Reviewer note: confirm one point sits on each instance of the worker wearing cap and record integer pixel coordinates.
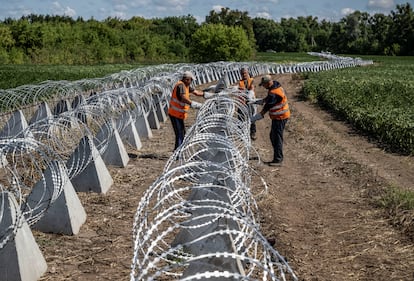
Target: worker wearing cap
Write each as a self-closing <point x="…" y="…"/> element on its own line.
<point x="276" y="104"/>
<point x="180" y="103"/>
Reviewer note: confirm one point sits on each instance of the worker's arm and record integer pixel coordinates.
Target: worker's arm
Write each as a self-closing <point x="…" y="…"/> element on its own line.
<point x="196" y="92"/>
<point x="180" y="95"/>
<point x="270" y="101"/>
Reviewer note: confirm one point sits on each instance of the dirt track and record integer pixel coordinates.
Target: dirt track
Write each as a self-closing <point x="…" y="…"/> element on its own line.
<point x="318" y="207"/>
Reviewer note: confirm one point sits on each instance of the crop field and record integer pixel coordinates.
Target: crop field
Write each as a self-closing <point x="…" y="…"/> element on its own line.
<point x="377" y="99"/>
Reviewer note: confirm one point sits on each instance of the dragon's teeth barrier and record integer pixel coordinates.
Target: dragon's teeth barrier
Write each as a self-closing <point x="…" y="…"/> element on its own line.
<point x="77" y="128"/>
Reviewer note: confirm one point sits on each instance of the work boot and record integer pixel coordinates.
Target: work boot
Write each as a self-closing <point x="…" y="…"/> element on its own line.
<point x="275" y="163"/>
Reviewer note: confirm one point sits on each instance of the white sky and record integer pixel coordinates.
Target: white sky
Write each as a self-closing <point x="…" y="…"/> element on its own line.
<point x="332" y="10"/>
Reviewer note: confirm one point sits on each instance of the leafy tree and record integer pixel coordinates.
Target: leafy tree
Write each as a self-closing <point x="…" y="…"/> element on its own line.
<point x="6" y="38"/>
<point x="133" y="49"/>
<point x="269" y="35"/>
<point x="321" y="36"/>
<point x="177" y="28"/>
<point x="6" y="43"/>
<point x="294" y="37"/>
<point x="226" y="35"/>
<point x="337" y="41"/>
<point x="26" y="35"/>
<point x="233" y="18"/>
<point x="307" y="26"/>
<point x="402" y="29"/>
<point x="357" y="30"/>
<point x="218" y="42"/>
<point x="16" y="56"/>
<point x="380" y="25"/>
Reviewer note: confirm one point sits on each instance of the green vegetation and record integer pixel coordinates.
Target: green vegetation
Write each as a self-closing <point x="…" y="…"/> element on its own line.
<point x="285" y="57"/>
<point x="12" y="76"/>
<point x="219" y="42"/>
<point x="400" y="207"/>
<point x="378" y="99"/>
<point x="395" y="198"/>
<point x="38" y="39"/>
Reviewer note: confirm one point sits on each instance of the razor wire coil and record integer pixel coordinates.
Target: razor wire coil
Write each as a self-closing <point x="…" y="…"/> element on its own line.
<point x="213" y="160"/>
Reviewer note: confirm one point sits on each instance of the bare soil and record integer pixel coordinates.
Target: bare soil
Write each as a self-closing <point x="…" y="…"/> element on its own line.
<point x="320" y="206"/>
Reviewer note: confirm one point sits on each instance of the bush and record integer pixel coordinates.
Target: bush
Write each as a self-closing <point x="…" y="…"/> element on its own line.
<point x="218" y="42"/>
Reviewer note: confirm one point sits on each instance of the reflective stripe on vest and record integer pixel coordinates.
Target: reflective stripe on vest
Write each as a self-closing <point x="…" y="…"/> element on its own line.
<point x="177" y="108"/>
<point x="242" y="85"/>
<point x="280" y="110"/>
<point x="182" y="104"/>
<point x="249" y="84"/>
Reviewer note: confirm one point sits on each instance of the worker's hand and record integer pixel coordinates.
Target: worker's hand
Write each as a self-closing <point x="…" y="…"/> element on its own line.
<point x="196" y="105"/>
<point x="256" y="117"/>
<point x="250" y="95"/>
<point x="208" y="95"/>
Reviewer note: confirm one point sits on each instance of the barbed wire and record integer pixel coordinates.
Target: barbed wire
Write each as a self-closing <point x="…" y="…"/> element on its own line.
<point x="32" y="173"/>
<point x="204" y="193"/>
<point x="198" y="220"/>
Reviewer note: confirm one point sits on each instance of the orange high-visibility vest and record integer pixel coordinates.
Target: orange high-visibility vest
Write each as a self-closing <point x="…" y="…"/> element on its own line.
<point x="242" y="86"/>
<point x="249" y="84"/>
<point x="279" y="111"/>
<point x="177" y="108"/>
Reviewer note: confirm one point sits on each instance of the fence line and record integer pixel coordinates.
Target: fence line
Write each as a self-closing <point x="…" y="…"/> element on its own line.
<point x="74" y="125"/>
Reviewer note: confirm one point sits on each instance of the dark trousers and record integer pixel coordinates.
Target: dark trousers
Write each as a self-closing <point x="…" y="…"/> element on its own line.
<point x="252" y="111"/>
<point x="276" y="137"/>
<point x="179" y="130"/>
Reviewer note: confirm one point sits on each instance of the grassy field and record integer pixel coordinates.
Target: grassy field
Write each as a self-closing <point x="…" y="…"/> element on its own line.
<point x="285" y="57"/>
<point x="12" y="76"/>
<point x="377" y="99"/>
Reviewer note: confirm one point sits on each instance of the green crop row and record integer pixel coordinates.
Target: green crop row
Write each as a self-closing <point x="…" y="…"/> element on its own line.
<point x="378" y="99"/>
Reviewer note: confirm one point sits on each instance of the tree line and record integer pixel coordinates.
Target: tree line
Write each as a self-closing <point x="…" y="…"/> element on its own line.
<point x="230" y="35"/>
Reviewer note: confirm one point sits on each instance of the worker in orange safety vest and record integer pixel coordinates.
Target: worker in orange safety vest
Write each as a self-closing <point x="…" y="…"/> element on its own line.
<point x="180" y="103"/>
<point x="276" y="103"/>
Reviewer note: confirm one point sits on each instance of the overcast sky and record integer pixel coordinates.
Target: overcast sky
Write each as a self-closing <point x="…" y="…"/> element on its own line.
<point x="332" y="10"/>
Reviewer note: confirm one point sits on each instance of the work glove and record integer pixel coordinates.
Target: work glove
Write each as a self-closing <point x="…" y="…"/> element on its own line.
<point x="256" y="101"/>
<point x="196" y="105"/>
<point x="256" y="117"/>
<point x="208" y="95"/>
<point x="250" y="95"/>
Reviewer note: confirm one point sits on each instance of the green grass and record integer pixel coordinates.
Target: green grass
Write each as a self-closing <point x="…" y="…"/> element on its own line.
<point x="12" y="76"/>
<point x="377" y="99"/>
<point x="399" y="204"/>
<point x="396" y="198"/>
<point x="285" y="57"/>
